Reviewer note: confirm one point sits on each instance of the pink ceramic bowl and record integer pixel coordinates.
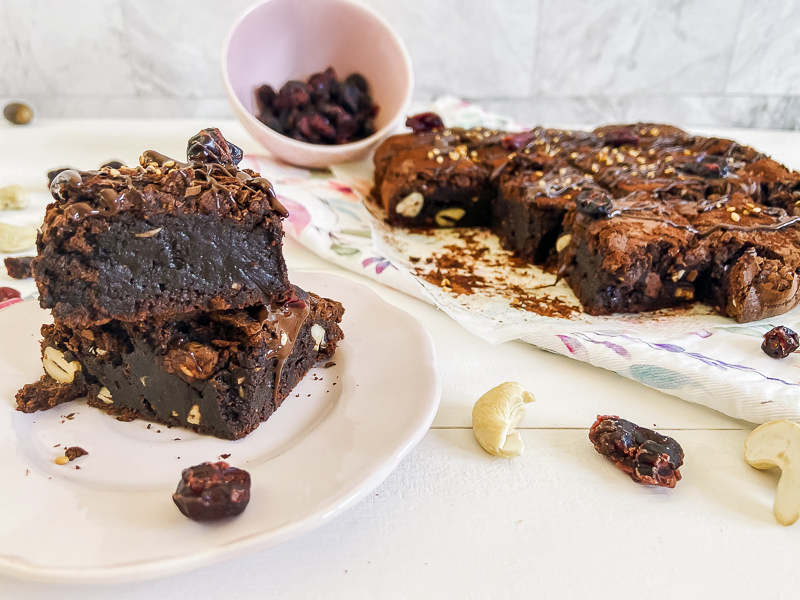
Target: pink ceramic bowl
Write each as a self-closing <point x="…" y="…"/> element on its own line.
<point x="279" y="40"/>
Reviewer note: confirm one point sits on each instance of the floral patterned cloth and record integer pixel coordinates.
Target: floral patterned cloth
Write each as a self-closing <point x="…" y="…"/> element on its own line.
<point x="715" y="362"/>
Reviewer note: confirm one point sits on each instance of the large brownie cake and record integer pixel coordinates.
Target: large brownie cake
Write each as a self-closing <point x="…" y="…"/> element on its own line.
<point x="635" y="217"/>
<point x="160" y="238"/>
<point x="214" y="372"/>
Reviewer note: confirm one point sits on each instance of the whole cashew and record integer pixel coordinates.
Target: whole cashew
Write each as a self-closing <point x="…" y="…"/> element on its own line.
<point x="777" y="444"/>
<point x="495" y="417"/>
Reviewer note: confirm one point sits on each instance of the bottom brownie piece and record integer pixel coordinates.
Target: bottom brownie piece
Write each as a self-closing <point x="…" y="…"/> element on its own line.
<point x="214" y="372"/>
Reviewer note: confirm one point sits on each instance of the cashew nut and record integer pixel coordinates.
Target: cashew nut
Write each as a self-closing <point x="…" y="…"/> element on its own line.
<point x="105" y="396"/>
<point x="318" y="335"/>
<point x="411" y="205"/>
<point x="194" y="415"/>
<point x="449" y="217"/>
<point x="57" y="366"/>
<point x="14" y="196"/>
<point x="495" y="417"/>
<point x="15" y="238"/>
<point x="563" y="242"/>
<point x="777" y="444"/>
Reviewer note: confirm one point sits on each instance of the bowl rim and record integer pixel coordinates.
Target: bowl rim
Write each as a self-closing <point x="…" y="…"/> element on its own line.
<point x="331" y="149"/>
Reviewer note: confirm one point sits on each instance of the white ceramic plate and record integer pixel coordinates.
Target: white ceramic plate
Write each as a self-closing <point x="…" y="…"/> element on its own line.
<point x="114" y="520"/>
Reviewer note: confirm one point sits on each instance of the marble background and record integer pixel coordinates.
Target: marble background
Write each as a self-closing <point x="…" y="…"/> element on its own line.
<point x="689" y="62"/>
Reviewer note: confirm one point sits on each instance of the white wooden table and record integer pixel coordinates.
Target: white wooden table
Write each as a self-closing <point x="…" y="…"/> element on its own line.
<point x="455" y="522"/>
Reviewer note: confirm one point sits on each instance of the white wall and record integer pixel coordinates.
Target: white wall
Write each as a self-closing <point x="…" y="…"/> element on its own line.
<point x="690" y="62"/>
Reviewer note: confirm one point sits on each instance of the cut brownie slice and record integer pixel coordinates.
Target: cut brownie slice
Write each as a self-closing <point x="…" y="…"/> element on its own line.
<point x="638" y="253"/>
<point x="628" y="255"/>
<point x="438" y="179"/>
<point x="160" y="239"/>
<point x="214" y="373"/>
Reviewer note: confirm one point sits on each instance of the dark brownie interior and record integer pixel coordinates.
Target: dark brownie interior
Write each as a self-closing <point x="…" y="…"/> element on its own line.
<point x="214" y="372"/>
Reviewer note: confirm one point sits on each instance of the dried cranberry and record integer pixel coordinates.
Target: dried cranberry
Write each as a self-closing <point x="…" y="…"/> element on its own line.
<point x="646" y="455"/>
<point x="293" y="94"/>
<point x="322" y="85"/>
<point x="780" y="342"/>
<point x="112" y="164"/>
<point x="321" y="111"/>
<point x="265" y="96"/>
<point x="710" y="167"/>
<point x="594" y="203"/>
<point x="620" y="136"/>
<point x="350" y="97"/>
<point x="212" y="491"/>
<point x="56" y="172"/>
<point x="517" y="141"/>
<point x="7" y="293"/>
<point x="424" y="122"/>
<point x="210" y="146"/>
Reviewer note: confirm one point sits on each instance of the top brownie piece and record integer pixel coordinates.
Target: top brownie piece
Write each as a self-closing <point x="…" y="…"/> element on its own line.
<point x="161" y="238"/>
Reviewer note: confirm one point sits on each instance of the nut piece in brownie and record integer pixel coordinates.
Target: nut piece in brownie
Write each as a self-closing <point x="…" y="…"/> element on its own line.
<point x="214" y="373"/>
<point x="162" y="238"/>
<point x="437" y="176"/>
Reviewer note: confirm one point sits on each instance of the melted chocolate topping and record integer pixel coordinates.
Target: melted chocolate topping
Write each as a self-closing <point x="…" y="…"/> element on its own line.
<point x="285" y="320"/>
<point x="209" y="154"/>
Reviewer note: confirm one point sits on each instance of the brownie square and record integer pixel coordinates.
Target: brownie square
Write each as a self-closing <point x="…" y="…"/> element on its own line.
<point x="438" y="179"/>
<point x="160" y="239"/>
<point x="220" y="373"/>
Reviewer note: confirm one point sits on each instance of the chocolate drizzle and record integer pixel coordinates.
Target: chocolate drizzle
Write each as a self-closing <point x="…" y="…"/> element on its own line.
<point x="615" y="209"/>
<point x="285" y="320"/>
<point x="209" y="155"/>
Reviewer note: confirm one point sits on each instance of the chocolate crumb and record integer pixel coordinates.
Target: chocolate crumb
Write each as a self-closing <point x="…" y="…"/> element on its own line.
<point x="19" y="267"/>
<point x="224" y="456"/>
<point x="329" y="364"/>
<point x="74" y="452"/>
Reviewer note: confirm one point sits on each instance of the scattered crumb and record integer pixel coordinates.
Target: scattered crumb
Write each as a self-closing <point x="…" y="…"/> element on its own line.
<point x="70" y="416"/>
<point x="56" y="446"/>
<point x="149" y="425"/>
<point x="27" y="472"/>
<point x="176" y="440"/>
<point x="77" y="466"/>
<point x="224" y="456"/>
<point x="328" y="365"/>
<point x="74" y="452"/>
<point x="158" y="431"/>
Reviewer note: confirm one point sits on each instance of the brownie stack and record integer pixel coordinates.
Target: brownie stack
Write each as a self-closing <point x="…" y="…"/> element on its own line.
<point x="170" y="294"/>
<point x="635" y="217"/>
